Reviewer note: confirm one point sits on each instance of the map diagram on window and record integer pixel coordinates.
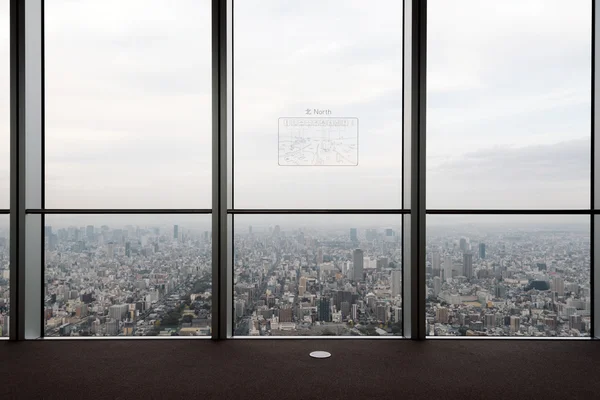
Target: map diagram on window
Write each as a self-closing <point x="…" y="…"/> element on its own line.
<point x="305" y="141"/>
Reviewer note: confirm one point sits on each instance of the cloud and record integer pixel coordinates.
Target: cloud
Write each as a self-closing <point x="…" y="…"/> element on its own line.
<point x="543" y="176"/>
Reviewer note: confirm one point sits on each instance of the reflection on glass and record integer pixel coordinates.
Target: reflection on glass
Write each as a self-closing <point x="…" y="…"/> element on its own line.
<point x="318" y="104"/>
<point x="508" y="104"/>
<point x="311" y="275"/>
<point x="127" y="275"/>
<point x="4" y="103"/>
<point x="4" y="276"/>
<point x="128" y="104"/>
<point x="508" y="276"/>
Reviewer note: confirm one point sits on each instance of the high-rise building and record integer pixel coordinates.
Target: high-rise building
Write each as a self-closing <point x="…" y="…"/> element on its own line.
<point x="381" y="312"/>
<point x="463" y="244"/>
<point x="558" y="285"/>
<point x="490" y="321"/>
<point x="112" y="328"/>
<point x="468" y="265"/>
<point x="89" y="232"/>
<point x="575" y="322"/>
<point x="176" y="232"/>
<point x="250" y="232"/>
<point x="436" y="262"/>
<point x="345" y="309"/>
<point x="324" y="309"/>
<point x="482" y="251"/>
<point x="353" y="235"/>
<point x="117" y="311"/>
<point x="320" y="256"/>
<point x="515" y="323"/>
<point x="285" y="313"/>
<point x="441" y="315"/>
<point x="447" y="270"/>
<point x="396" y="282"/>
<point x="302" y="286"/>
<point x="437" y="285"/>
<point x="354" y="312"/>
<point x="358" y="260"/>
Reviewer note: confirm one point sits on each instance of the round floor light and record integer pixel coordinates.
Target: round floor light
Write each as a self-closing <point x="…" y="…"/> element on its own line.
<point x="320" y="354"/>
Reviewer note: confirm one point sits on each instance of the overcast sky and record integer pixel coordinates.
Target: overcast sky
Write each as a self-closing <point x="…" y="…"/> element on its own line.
<point x="128" y="102"/>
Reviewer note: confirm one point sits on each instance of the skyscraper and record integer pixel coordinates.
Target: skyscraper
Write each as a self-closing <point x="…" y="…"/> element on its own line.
<point x="437" y="285"/>
<point x="324" y="309"/>
<point x="463" y="244"/>
<point x="396" y="282"/>
<point x="468" y="265"/>
<point x="358" y="260"/>
<point x="176" y="231"/>
<point x="436" y="263"/>
<point x="558" y="285"/>
<point x="482" y="251"/>
<point x="381" y="312"/>
<point x="447" y="271"/>
<point x="353" y="235"/>
<point x="514" y="323"/>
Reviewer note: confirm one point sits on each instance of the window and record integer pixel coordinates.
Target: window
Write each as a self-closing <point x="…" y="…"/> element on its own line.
<point x="317" y="112"/>
<point x="519" y="275"/>
<point x="318" y="275"/>
<point x="127" y="275"/>
<point x="501" y="135"/>
<point x="317" y="124"/>
<point x="508" y="133"/>
<point x="4" y="105"/>
<point x="303" y="163"/>
<point x="128" y="128"/>
<point x="4" y="165"/>
<point x="128" y="104"/>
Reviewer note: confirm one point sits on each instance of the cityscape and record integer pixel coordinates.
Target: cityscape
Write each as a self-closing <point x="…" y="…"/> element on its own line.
<point x="312" y="279"/>
<point x="128" y="280"/>
<point x="522" y="280"/>
<point x="322" y="280"/>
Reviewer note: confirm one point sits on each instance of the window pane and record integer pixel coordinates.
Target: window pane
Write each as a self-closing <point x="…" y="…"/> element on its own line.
<point x="128" y="275"/>
<point x="508" y="104"/>
<point x="4" y="104"/>
<point x="317" y="275"/>
<point x="508" y="275"/>
<point x="4" y="275"/>
<point x="318" y="104"/>
<point x="128" y="104"/>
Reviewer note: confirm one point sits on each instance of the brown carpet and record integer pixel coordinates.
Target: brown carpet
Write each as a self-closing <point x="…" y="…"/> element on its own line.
<point x="281" y="369"/>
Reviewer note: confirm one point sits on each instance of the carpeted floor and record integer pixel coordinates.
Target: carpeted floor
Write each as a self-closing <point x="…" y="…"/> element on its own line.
<point x="282" y="369"/>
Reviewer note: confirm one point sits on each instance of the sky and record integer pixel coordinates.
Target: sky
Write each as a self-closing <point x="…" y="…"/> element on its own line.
<point x="128" y="102"/>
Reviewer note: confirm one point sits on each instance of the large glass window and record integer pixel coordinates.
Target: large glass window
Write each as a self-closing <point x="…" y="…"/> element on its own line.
<point x="127" y="275"/>
<point x="318" y="275"/>
<point x="4" y="164"/>
<point x="128" y="104"/>
<point x="4" y="104"/>
<point x="508" y="104"/>
<point x="317" y="104"/>
<point x="491" y="275"/>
